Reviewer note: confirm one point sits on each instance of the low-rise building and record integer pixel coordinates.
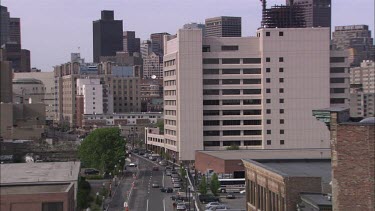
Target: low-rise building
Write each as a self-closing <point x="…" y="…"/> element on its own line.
<point x="39" y="186"/>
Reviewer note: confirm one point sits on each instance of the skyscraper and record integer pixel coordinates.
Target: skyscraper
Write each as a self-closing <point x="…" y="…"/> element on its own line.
<point x="316" y="13"/>
<point x="131" y="43"/>
<point x="4" y="25"/>
<point x="146" y="48"/>
<point x="15" y="30"/>
<point x="107" y="36"/>
<point x="196" y="26"/>
<point x="157" y="42"/>
<point x="223" y="26"/>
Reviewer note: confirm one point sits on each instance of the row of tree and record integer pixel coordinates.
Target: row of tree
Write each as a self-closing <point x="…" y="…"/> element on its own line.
<point x="214" y="185"/>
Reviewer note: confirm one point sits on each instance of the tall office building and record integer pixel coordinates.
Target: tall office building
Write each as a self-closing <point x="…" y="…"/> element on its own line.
<point x="107" y="36"/>
<point x="146" y="48"/>
<point x="131" y="43"/>
<point x="196" y="26"/>
<point x="253" y="92"/>
<point x="6" y="91"/>
<point x="153" y="66"/>
<point x="223" y="26"/>
<point x="157" y="42"/>
<point x="4" y="25"/>
<point x="339" y="79"/>
<point x="316" y="13"/>
<point x="15" y="30"/>
<point x="357" y="39"/>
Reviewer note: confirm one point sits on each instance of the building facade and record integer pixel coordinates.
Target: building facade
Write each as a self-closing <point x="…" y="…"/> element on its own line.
<point x="107" y="36"/>
<point x="15" y="30"/>
<point x="6" y="95"/>
<point x="131" y="43"/>
<point x="339" y="79"/>
<point x="196" y="26"/>
<point x="4" y="25"/>
<point x="92" y="92"/>
<point x="157" y="42"/>
<point x="146" y="48"/>
<point x="316" y="13"/>
<point x="357" y="39"/>
<point x="153" y="66"/>
<point x="28" y="90"/>
<point x="223" y="26"/>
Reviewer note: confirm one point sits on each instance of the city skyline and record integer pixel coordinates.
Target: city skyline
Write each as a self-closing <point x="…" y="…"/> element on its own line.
<point x="65" y="34"/>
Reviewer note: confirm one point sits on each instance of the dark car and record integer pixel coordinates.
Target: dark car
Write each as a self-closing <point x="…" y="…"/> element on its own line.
<point x="169" y="190"/>
<point x="155" y="168"/>
<point x="208" y="198"/>
<point x="230" y="196"/>
<point x="91" y="171"/>
<point x="163" y="189"/>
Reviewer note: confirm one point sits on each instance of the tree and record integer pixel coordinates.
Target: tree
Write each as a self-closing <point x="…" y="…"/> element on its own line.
<point x="83" y="194"/>
<point x="160" y="125"/>
<point x="215" y="184"/>
<point x="203" y="186"/>
<point x="102" y="149"/>
<point x="233" y="147"/>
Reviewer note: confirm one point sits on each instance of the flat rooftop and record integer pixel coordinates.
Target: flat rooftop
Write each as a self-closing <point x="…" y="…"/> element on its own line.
<point x="34" y="189"/>
<point x="316" y="199"/>
<point x="39" y="173"/>
<point x="271" y="154"/>
<point x="298" y="168"/>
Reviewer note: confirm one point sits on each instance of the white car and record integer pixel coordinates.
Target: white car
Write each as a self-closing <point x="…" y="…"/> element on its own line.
<point x="242" y="191"/>
<point x="213" y="204"/>
<point x="217" y="208"/>
<point x="132" y="165"/>
<point x="181" y="206"/>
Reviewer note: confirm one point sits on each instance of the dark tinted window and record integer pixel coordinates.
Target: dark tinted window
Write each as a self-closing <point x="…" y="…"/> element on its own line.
<point x="231" y="143"/>
<point x="252" y="102"/>
<point x="251" y="91"/>
<point x="211" y="92"/>
<point x="337" y="70"/>
<point x="252" y="60"/>
<point x="252" y="112"/>
<point x="210" y="71"/>
<point x="252" y="143"/>
<point x="252" y="71"/>
<point x="231" y="112"/>
<point x="337" y="100"/>
<point x="252" y="132"/>
<point x="211" y="143"/>
<point x="337" y="80"/>
<point x="252" y="122"/>
<point x="231" y="91"/>
<point x="230" y="61"/>
<point x="231" y="132"/>
<point x="231" y="81"/>
<point x="229" y="48"/>
<point x="231" y="122"/>
<point x="210" y="81"/>
<point x="211" y="113"/>
<point x="211" y="102"/>
<point x="211" y="122"/>
<point x="210" y="61"/>
<point x="252" y="81"/>
<point x="231" y="71"/>
<point x="211" y="133"/>
<point x="337" y="59"/>
<point x="231" y="102"/>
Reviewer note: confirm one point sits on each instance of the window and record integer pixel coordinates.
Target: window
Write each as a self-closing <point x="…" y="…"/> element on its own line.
<point x="268" y="142"/>
<point x="282" y="142"/>
<point x="337" y="70"/>
<point x="231" y="102"/>
<point x="231" y="132"/>
<point x="268" y="80"/>
<point x="281" y="80"/>
<point x="337" y="90"/>
<point x="281" y="70"/>
<point x="252" y="81"/>
<point x="211" y="122"/>
<point x="52" y="206"/>
<point x="268" y="34"/>
<point x="211" y="112"/>
<point x="268" y="59"/>
<point x="252" y="112"/>
<point x="252" y="102"/>
<point x="281" y="90"/>
<point x="268" y="100"/>
<point x="231" y="91"/>
<point x="281" y="59"/>
<point x="268" y="70"/>
<point x="211" y="133"/>
<point x="281" y="34"/>
<point x="231" y="71"/>
<point x="252" y="91"/>
<point x="229" y="47"/>
<point x="281" y="111"/>
<point x="281" y="100"/>
<point x="282" y="131"/>
<point x="231" y="143"/>
<point x="211" y="92"/>
<point x="282" y="121"/>
<point x="337" y="80"/>
<point x="231" y="81"/>
<point x="268" y="111"/>
<point x="206" y="48"/>
<point x="252" y="122"/>
<point x="252" y="132"/>
<point x="231" y="122"/>
<point x="231" y="112"/>
<point x="337" y="59"/>
<point x="268" y="121"/>
<point x="269" y="131"/>
<point x="337" y="100"/>
<point x="268" y="90"/>
<point x="252" y="60"/>
<point x="211" y="102"/>
<point x="211" y="61"/>
<point x="210" y="71"/>
<point x="252" y="143"/>
<point x="210" y="81"/>
<point x="252" y="71"/>
<point x="211" y="143"/>
<point x="230" y="61"/>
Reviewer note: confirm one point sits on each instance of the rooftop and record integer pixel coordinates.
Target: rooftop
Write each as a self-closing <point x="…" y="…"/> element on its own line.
<point x="34" y="189"/>
<point x="35" y="173"/>
<point x="316" y="199"/>
<point x="27" y="81"/>
<point x="270" y="154"/>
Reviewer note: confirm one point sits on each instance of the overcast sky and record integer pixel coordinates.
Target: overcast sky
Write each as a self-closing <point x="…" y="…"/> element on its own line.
<point x="52" y="29"/>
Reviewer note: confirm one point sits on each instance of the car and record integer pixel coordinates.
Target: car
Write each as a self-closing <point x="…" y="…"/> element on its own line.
<point x="153" y="158"/>
<point x="230" y="196"/>
<point x="168" y="168"/>
<point x="181" y="206"/>
<point x="91" y="171"/>
<point x="150" y="157"/>
<point x="146" y="155"/>
<point x="141" y="153"/>
<point x="132" y="165"/>
<point x="163" y="189"/>
<point x="155" y="185"/>
<point x="242" y="191"/>
<point x="213" y="204"/>
<point x="217" y="208"/>
<point x="155" y="168"/>
<point x="208" y="198"/>
<point x="169" y="190"/>
<point x="176" y="185"/>
<point x="163" y="163"/>
<point x="168" y="173"/>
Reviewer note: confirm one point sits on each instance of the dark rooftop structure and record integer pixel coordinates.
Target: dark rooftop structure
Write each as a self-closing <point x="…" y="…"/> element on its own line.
<point x="315" y="202"/>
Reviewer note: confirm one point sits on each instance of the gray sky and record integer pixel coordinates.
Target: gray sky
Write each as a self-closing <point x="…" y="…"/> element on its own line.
<point x="52" y="29"/>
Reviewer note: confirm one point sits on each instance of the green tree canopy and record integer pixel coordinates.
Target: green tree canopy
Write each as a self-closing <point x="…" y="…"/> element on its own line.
<point x="160" y="125"/>
<point x="102" y="149"/>
<point x="203" y="186"/>
<point x="215" y="184"/>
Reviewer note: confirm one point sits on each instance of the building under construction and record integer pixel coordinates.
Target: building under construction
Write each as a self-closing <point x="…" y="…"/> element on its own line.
<point x="282" y="16"/>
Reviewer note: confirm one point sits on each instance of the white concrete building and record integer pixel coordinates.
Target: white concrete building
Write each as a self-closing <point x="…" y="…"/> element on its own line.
<point x="153" y="65"/>
<point x="92" y="92"/>
<point x="253" y="92"/>
<point x="340" y="78"/>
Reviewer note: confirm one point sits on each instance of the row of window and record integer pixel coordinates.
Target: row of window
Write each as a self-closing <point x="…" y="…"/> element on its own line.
<point x="170" y="122"/>
<point x="268" y="34"/>
<point x="170" y="132"/>
<point x="170" y="102"/>
<point x="170" y="112"/>
<point x="231" y="143"/>
<point x="170" y="83"/>
<point x="169" y="63"/>
<point x="232" y="122"/>
<point x="281" y="100"/>
<point x="170" y="92"/>
<point x="232" y="61"/>
<point x="232" y="132"/>
<point x="169" y="72"/>
<point x="231" y="81"/>
<point x="232" y="71"/>
<point x="233" y="102"/>
<point x="232" y="91"/>
<point x="232" y="112"/>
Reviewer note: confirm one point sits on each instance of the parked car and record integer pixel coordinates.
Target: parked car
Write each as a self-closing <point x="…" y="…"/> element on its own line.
<point x="168" y="168"/>
<point x="91" y="171"/>
<point x="168" y="173"/>
<point x="155" y="168"/>
<point x="169" y="190"/>
<point x="242" y="191"/>
<point x="181" y="206"/>
<point x="163" y="189"/>
<point x="208" y="198"/>
<point x="163" y="163"/>
<point x="213" y="204"/>
<point x="217" y="208"/>
<point x="132" y="165"/>
<point x="230" y="196"/>
<point x="176" y="185"/>
<point x="155" y="185"/>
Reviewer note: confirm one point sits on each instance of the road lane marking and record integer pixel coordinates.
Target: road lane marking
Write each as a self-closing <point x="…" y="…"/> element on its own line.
<point x="163" y="180"/>
<point x="164" y="204"/>
<point x="147" y="205"/>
